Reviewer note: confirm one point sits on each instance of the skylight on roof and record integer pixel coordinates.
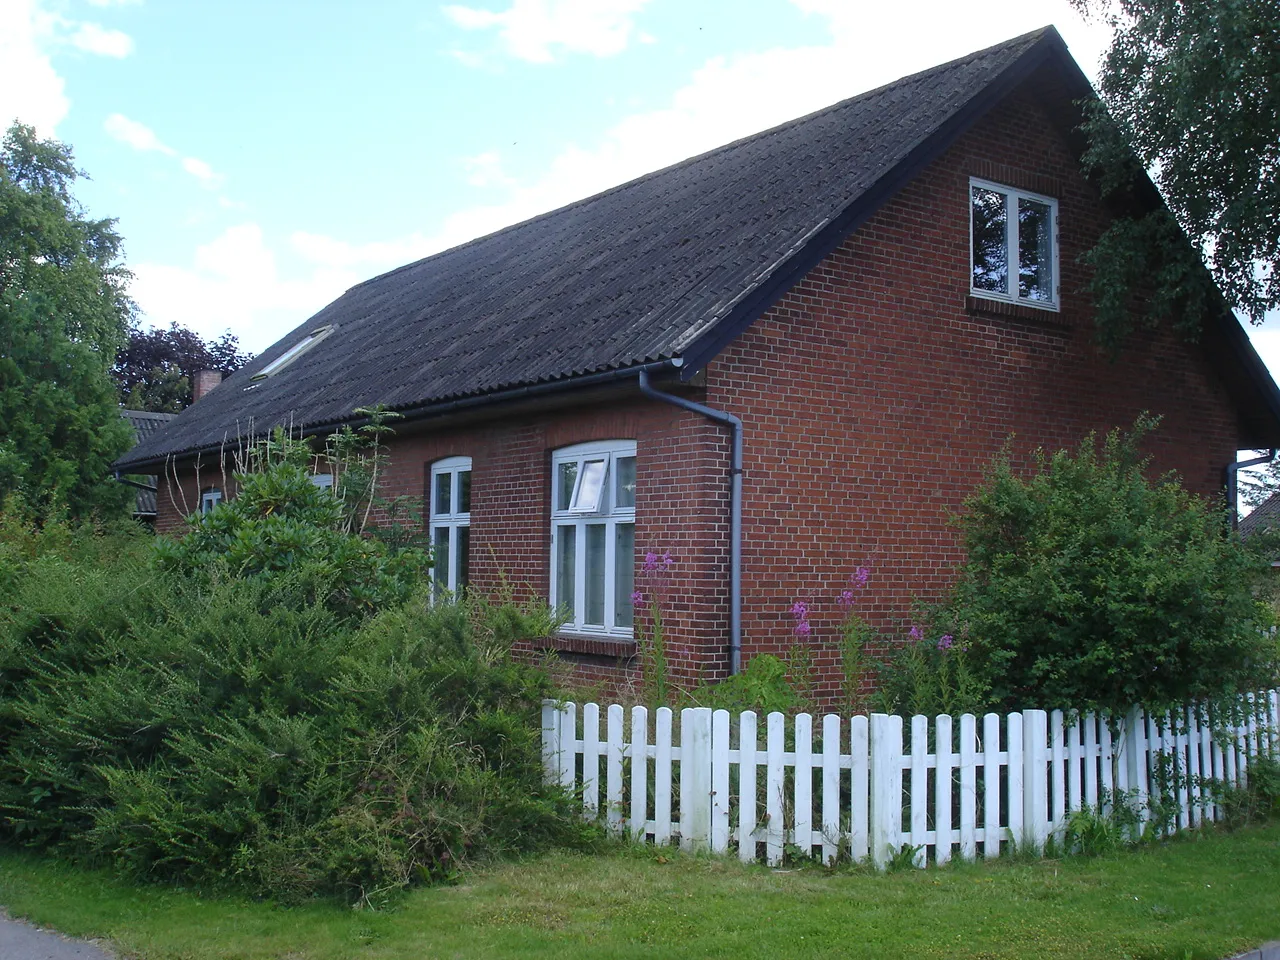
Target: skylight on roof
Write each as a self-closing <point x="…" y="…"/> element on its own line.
<point x="292" y="354"/>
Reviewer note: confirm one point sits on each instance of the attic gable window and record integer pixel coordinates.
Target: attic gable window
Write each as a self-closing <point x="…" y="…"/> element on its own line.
<point x="293" y="353"/>
<point x="1013" y="245"/>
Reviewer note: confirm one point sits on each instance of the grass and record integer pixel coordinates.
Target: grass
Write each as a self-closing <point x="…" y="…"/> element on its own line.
<point x="1204" y="896"/>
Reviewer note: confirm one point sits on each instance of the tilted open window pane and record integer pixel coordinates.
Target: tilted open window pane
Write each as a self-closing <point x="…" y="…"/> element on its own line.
<point x="586" y="498"/>
<point x="990" y="241"/>
<point x="1035" y="250"/>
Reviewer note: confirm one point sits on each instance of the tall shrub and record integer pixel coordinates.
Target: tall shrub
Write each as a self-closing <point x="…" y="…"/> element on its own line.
<point x="1089" y="585"/>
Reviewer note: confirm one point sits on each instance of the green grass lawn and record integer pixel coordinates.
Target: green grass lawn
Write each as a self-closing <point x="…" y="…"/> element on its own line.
<point x="1203" y="896"/>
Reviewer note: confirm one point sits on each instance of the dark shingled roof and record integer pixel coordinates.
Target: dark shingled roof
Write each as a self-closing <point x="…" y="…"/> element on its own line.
<point x="631" y="275"/>
<point x="1265" y="515"/>
<point x="673" y="264"/>
<point x="145" y="425"/>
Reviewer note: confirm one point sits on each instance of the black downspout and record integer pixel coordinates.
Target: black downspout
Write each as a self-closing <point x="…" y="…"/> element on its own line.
<point x="735" y="509"/>
<point x="1233" y="483"/>
<point x="133" y="483"/>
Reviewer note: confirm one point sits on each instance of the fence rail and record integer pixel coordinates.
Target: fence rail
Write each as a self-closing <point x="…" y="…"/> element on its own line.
<point x="878" y="786"/>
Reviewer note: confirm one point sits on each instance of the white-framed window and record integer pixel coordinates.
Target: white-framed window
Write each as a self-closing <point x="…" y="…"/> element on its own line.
<point x="451" y="523"/>
<point x="323" y="480"/>
<point x="1013" y="245"/>
<point x="210" y="499"/>
<point x="593" y="535"/>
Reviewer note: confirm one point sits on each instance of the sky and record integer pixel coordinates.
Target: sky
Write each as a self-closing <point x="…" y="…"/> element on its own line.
<point x="261" y="157"/>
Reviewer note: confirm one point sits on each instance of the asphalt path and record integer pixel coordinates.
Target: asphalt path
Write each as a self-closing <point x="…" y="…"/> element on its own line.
<point x="21" y="941"/>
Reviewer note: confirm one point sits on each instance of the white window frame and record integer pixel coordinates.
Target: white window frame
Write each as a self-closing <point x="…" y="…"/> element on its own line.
<point x="1010" y="294"/>
<point x="323" y="480"/>
<point x="293" y="353"/>
<point x="209" y="499"/>
<point x="579" y="515"/>
<point x="450" y="521"/>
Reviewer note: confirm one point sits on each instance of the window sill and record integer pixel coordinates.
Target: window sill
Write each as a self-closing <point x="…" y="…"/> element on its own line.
<point x="615" y="647"/>
<point x="1053" y="320"/>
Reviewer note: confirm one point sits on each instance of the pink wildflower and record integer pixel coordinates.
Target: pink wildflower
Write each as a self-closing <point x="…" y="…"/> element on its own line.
<point x="803" y="628"/>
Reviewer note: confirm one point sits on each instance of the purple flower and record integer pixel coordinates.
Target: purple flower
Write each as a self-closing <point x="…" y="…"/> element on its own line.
<point x="637" y="598"/>
<point x="944" y="643"/>
<point x="800" y="610"/>
<point x="860" y="577"/>
<point x="650" y="561"/>
<point x="845" y="599"/>
<point x="803" y="628"/>
<point x="916" y="633"/>
<point x="666" y="559"/>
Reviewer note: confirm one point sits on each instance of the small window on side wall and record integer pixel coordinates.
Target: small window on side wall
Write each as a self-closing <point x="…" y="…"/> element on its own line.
<point x="1013" y="241"/>
<point x="451" y="524"/>
<point x="210" y="499"/>
<point x="593" y="522"/>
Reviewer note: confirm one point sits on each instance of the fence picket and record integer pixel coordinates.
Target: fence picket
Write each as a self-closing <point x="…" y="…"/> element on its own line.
<point x="1090" y="722"/>
<point x="775" y="827"/>
<point x="830" y="787"/>
<point x="662" y="825"/>
<point x="613" y="768"/>
<point x="968" y="787"/>
<point x="803" y="796"/>
<point x="1034" y="771"/>
<point x="991" y="786"/>
<point x="747" y="761"/>
<point x="942" y="781"/>
<point x="720" y="781"/>
<point x="1014" y="768"/>
<point x="639" y="772"/>
<point x="885" y="810"/>
<point x="1035" y="776"/>
<point x="859" y="786"/>
<point x="591" y="760"/>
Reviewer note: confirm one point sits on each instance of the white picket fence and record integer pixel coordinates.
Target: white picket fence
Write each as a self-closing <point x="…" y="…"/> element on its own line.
<point x="956" y="787"/>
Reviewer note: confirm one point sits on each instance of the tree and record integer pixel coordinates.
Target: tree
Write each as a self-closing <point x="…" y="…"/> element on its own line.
<point x="1189" y="92"/>
<point x="1089" y="586"/>
<point x="156" y="368"/>
<point x="63" y="315"/>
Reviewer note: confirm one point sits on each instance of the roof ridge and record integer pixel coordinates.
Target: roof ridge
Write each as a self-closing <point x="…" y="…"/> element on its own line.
<point x="1029" y="37"/>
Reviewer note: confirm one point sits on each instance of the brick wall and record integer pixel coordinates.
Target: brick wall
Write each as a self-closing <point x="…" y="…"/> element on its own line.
<point x="873" y="395"/>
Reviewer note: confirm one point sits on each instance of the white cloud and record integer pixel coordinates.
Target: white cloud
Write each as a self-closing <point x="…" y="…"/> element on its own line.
<point x="94" y="38"/>
<point x="532" y="30"/>
<point x="136" y="135"/>
<point x="201" y="171"/>
<point x="485" y="170"/>
<point x="234" y="282"/>
<point x="30" y="89"/>
<point x="143" y="138"/>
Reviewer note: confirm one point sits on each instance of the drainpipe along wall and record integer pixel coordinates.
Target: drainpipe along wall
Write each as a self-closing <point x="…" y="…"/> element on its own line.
<point x="735" y="507"/>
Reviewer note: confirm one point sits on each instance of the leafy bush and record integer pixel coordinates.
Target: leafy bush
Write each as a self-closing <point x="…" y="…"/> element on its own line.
<point x="280" y="523"/>
<point x="1089" y="586"/>
<point x="272" y="704"/>
<point x="931" y="673"/>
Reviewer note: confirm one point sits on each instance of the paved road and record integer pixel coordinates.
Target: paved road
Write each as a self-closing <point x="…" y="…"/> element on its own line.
<point x="21" y="941"/>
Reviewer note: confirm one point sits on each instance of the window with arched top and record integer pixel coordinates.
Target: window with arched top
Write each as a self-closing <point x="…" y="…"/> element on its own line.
<point x="450" y="523"/>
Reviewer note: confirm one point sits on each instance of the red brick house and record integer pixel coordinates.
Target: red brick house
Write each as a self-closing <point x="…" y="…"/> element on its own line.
<point x="864" y="303"/>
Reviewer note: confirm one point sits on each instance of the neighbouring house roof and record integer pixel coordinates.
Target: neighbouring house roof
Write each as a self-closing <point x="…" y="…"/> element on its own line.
<point x="145" y="425"/>
<point x="673" y="264"/>
<point x="1265" y="515"/>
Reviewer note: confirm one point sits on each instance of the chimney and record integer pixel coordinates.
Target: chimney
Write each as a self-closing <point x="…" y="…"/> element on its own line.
<point x="205" y="380"/>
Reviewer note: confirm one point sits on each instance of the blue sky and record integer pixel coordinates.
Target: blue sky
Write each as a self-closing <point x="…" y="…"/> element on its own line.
<point x="261" y="157"/>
